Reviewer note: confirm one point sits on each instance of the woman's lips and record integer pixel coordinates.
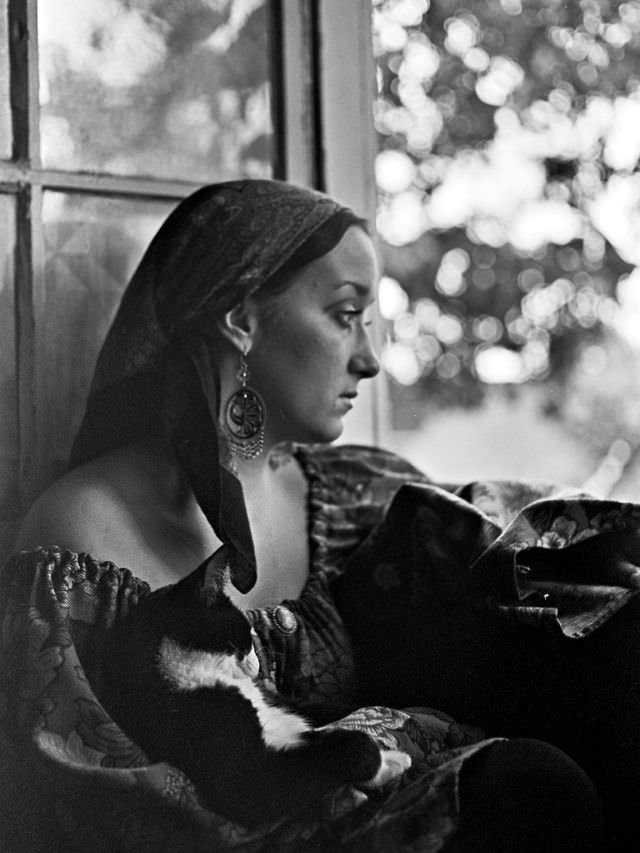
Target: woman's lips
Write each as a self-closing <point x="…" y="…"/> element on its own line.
<point x="344" y="401"/>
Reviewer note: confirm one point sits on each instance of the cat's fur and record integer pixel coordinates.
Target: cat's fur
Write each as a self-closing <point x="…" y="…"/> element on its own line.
<point x="180" y="680"/>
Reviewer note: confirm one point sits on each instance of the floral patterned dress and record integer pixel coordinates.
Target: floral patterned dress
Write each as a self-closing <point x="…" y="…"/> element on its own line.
<point x="388" y="550"/>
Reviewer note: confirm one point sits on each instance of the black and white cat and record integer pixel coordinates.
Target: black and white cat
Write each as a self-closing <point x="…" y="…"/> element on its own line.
<point x="180" y="680"/>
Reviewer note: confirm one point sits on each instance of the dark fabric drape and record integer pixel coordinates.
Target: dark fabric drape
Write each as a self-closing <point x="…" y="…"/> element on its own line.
<point x="393" y="619"/>
<point x="225" y="242"/>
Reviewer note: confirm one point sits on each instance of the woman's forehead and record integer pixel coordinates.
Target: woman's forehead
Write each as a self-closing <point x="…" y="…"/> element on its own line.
<point x="349" y="270"/>
<point x="352" y="260"/>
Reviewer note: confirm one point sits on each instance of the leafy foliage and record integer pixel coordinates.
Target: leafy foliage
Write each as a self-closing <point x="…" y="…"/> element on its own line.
<point x="172" y="90"/>
<point x="509" y="138"/>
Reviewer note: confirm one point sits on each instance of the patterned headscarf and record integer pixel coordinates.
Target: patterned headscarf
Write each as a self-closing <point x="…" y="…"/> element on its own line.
<point x="218" y="246"/>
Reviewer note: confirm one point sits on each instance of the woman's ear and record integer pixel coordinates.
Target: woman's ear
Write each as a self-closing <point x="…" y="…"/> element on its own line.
<point x="239" y="325"/>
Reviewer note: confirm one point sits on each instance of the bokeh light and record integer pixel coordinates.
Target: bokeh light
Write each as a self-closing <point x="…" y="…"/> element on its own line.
<point x="509" y="205"/>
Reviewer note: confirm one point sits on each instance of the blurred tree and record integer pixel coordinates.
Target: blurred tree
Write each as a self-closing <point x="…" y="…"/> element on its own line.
<point x="171" y="90"/>
<point x="509" y="197"/>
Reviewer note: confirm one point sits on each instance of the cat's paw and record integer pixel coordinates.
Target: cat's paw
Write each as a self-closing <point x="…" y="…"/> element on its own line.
<point x="393" y="763"/>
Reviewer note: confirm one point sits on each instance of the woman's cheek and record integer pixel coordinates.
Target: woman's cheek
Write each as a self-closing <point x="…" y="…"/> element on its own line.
<point x="309" y="347"/>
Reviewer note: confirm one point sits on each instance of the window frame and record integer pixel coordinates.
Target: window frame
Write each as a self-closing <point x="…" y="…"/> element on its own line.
<point x="323" y="138"/>
<point x="293" y="43"/>
<point x="348" y="150"/>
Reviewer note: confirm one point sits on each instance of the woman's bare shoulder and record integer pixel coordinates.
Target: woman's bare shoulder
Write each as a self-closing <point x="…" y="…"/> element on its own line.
<point x="129" y="507"/>
<point x="81" y="511"/>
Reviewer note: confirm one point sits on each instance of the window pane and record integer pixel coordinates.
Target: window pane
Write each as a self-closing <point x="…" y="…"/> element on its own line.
<point x="5" y="113"/>
<point x="509" y="212"/>
<point x="9" y="501"/>
<point x="93" y="244"/>
<point x="170" y="90"/>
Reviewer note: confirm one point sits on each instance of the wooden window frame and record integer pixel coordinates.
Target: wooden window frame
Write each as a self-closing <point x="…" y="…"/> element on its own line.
<point x="324" y="138"/>
<point x="293" y="39"/>
<point x="346" y="80"/>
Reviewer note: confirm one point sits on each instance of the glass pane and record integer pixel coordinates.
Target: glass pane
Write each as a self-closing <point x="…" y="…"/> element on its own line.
<point x="9" y="493"/>
<point x="5" y="112"/>
<point x="509" y="212"/>
<point x="93" y="244"/>
<point x="170" y="90"/>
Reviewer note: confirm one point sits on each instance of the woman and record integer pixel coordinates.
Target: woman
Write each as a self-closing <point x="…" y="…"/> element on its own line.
<point x="245" y="330"/>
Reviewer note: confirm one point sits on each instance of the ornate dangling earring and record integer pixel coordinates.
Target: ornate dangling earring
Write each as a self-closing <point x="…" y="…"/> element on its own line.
<point x="244" y="417"/>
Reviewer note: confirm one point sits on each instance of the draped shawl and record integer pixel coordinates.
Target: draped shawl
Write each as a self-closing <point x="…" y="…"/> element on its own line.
<point x="220" y="245"/>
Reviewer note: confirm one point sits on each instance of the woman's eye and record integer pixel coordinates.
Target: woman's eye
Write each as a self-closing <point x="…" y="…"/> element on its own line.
<point x="348" y="316"/>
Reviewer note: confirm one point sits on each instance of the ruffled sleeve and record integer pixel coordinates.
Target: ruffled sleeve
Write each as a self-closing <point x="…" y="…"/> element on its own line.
<point x="68" y="769"/>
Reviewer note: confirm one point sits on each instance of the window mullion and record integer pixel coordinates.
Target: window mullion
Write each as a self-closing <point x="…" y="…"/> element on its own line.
<point x="297" y="91"/>
<point x="12" y="175"/>
<point x="28" y="201"/>
<point x="25" y="155"/>
<point x="347" y="77"/>
<point x="23" y="52"/>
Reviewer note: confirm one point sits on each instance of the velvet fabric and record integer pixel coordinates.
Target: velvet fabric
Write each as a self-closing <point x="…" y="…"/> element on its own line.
<point x="409" y="616"/>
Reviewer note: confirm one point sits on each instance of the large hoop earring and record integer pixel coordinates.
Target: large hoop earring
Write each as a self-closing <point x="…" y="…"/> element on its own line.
<point x="244" y="416"/>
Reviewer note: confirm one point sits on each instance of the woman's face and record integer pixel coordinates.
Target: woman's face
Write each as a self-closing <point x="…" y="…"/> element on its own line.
<point x="311" y="344"/>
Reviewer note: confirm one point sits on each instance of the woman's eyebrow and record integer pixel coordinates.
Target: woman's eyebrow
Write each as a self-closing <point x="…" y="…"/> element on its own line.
<point x="363" y="289"/>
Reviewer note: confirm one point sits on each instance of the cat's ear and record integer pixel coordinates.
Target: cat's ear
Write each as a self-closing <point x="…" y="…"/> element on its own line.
<point x="217" y="570"/>
<point x="207" y="581"/>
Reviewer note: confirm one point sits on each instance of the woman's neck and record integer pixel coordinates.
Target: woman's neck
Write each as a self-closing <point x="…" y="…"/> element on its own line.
<point x="261" y="469"/>
<point x="160" y="478"/>
<point x="275" y="493"/>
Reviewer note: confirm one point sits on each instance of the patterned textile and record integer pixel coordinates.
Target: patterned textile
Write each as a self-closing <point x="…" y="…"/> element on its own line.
<point x="386" y="546"/>
<point x="430" y="544"/>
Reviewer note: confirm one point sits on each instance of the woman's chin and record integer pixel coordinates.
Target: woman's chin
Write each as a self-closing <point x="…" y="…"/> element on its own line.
<point x="321" y="433"/>
<point x="333" y="435"/>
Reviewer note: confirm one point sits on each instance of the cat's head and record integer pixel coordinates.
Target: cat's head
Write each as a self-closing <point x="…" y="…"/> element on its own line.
<point x="197" y="613"/>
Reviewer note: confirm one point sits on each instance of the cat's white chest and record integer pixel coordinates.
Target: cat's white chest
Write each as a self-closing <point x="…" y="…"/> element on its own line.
<point x="189" y="669"/>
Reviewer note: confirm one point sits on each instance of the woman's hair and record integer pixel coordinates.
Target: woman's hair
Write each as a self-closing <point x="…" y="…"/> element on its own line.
<point x="224" y="243"/>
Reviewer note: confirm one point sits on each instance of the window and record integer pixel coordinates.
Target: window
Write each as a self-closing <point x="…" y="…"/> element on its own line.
<point x="110" y="112"/>
<point x="508" y="211"/>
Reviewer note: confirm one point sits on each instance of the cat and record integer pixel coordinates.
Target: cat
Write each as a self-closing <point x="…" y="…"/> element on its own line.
<point x="180" y="679"/>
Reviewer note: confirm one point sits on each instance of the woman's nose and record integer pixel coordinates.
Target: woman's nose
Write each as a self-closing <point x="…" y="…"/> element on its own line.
<point x="365" y="362"/>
